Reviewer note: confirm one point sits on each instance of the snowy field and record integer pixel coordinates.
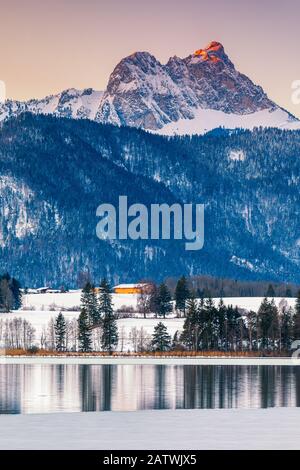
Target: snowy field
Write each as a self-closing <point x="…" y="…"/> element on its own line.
<point x="40" y="320"/>
<point x="276" y="429"/>
<point x="71" y="300"/>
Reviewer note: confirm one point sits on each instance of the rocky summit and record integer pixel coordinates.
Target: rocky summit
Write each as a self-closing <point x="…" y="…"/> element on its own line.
<point x="192" y="95"/>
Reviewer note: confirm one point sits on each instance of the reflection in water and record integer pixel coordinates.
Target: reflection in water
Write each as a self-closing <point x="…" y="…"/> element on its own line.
<point x="45" y="388"/>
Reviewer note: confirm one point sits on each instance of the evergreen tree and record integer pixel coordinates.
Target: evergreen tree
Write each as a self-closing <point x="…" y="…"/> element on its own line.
<point x="268" y="324"/>
<point x="232" y="328"/>
<point x="270" y="291"/>
<point x="6" y="295"/>
<point x="161" y="340"/>
<point x="274" y="325"/>
<point x="109" y="324"/>
<point x="286" y="329"/>
<point x="89" y="303"/>
<point x="164" y="301"/>
<point x="201" y="325"/>
<point x="297" y="318"/>
<point x="252" y="329"/>
<point x="15" y="287"/>
<point x="264" y="323"/>
<point x="190" y="334"/>
<point x="210" y="318"/>
<point x="84" y="332"/>
<point x="182" y="294"/>
<point x="288" y="292"/>
<point x="221" y="324"/>
<point x="154" y="300"/>
<point x="206" y="293"/>
<point x="60" y="332"/>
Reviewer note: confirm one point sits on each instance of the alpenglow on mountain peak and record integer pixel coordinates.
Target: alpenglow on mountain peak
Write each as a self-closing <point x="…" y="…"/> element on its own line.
<point x="213" y="52"/>
<point x="187" y="96"/>
<point x="184" y="96"/>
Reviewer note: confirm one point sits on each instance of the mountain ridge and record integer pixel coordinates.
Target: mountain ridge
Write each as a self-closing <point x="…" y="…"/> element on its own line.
<point x="192" y="95"/>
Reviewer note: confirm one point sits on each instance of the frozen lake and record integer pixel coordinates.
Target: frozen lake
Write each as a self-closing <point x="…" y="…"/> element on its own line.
<point x="50" y="388"/>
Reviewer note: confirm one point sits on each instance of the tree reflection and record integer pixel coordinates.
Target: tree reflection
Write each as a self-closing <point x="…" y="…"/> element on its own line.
<point x="49" y="388"/>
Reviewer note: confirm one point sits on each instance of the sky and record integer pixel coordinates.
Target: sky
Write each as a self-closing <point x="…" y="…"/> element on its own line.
<point x="50" y="45"/>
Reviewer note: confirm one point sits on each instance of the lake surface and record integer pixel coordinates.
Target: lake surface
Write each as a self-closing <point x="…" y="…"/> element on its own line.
<point x="49" y="388"/>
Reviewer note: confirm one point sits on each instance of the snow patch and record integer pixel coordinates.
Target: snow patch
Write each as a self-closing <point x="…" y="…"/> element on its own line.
<point x="243" y="263"/>
<point x="237" y="155"/>
<point x="208" y="119"/>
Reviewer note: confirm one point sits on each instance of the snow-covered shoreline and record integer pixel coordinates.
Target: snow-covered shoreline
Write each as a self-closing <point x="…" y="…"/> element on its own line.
<point x="92" y="360"/>
<point x="272" y="428"/>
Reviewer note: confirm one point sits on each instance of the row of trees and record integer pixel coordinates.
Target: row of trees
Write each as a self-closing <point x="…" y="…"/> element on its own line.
<point x="16" y="333"/>
<point x="64" y="335"/>
<point x="209" y="286"/>
<point x="211" y="327"/>
<point x="158" y="299"/>
<point x="207" y="327"/>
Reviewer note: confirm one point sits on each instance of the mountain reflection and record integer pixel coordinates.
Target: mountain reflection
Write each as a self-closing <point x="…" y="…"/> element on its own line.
<point x="45" y="388"/>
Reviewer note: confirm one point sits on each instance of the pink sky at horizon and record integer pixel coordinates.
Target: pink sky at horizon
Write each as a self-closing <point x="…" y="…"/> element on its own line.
<point x="50" y="46"/>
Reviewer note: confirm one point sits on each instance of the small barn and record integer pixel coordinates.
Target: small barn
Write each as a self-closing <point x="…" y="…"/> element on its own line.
<point x="130" y="288"/>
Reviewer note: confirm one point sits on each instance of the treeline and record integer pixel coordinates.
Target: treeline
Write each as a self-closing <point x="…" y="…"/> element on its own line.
<point x="208" y="286"/>
<point x="208" y="326"/>
<point x="174" y="294"/>
<point x="211" y="327"/>
<point x="10" y="293"/>
<point x="223" y="328"/>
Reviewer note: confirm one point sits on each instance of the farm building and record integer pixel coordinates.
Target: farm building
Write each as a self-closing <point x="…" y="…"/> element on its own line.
<point x="130" y="288"/>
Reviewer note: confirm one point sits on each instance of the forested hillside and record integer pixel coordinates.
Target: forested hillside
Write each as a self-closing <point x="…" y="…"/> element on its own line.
<point x="55" y="172"/>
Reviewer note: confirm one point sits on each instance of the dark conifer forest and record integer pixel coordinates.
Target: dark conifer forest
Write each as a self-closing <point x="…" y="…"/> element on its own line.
<point x="56" y="172"/>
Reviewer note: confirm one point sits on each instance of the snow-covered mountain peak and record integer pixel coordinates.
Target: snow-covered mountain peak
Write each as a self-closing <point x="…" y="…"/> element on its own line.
<point x="144" y="93"/>
<point x="72" y="103"/>
<point x="185" y="95"/>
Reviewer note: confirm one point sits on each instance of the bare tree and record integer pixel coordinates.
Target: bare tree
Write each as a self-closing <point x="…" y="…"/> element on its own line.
<point x="122" y="338"/>
<point x="144" y="340"/>
<point x="17" y="333"/>
<point x="133" y="338"/>
<point x="140" y="339"/>
<point x="43" y="338"/>
<point x="51" y="335"/>
<point x="143" y="300"/>
<point x="73" y="335"/>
